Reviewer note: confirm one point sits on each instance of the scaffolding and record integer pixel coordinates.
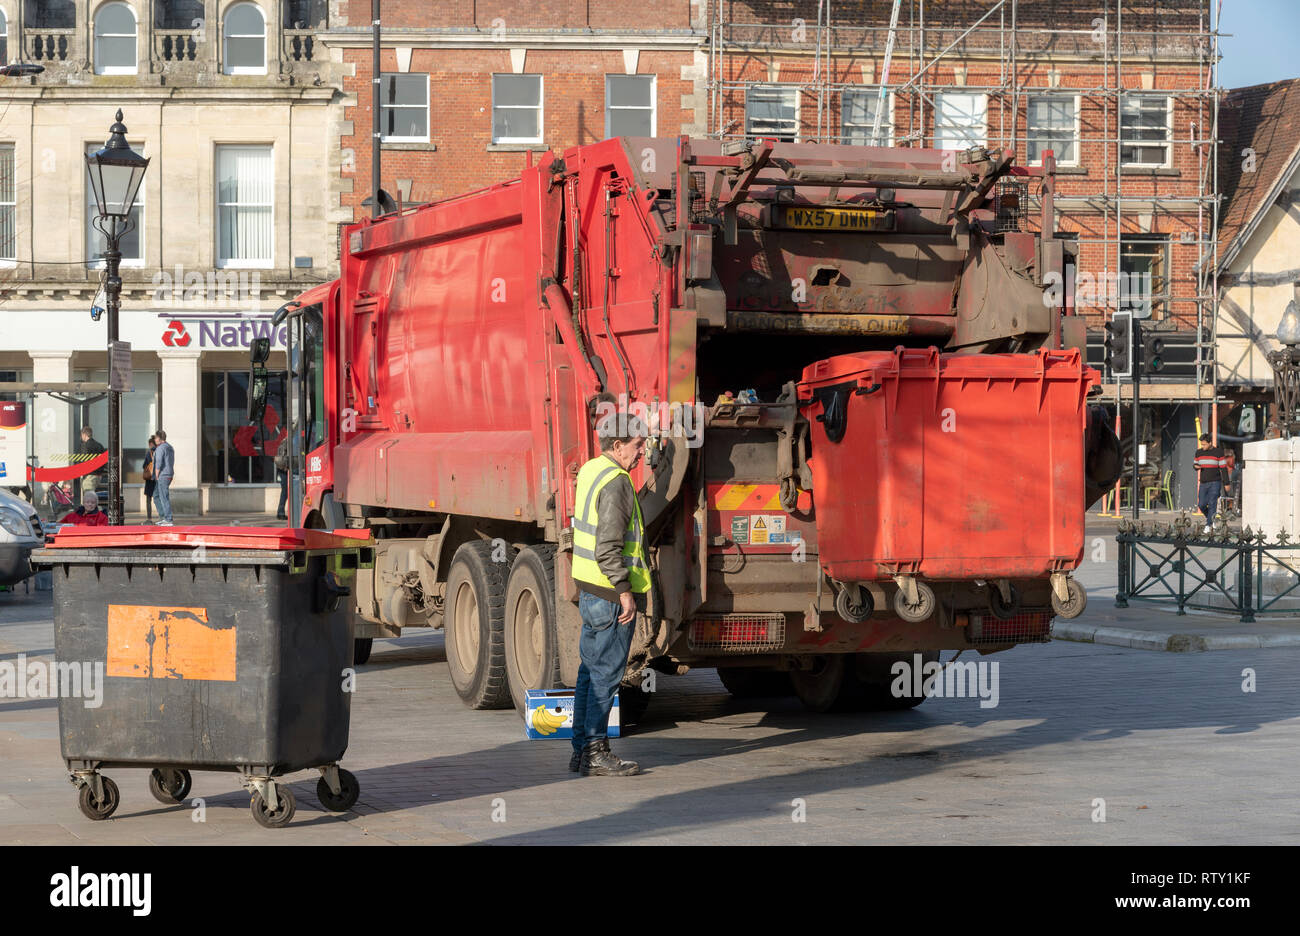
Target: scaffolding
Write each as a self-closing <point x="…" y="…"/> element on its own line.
<point x="1008" y="58"/>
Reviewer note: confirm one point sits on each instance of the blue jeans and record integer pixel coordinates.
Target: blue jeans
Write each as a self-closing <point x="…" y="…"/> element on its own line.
<point x="603" y="649"/>
<point x="1207" y="498"/>
<point x="162" y="497"/>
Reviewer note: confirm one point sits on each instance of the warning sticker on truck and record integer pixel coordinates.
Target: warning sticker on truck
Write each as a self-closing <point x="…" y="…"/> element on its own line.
<point x="740" y="530"/>
<point x="766" y="529"/>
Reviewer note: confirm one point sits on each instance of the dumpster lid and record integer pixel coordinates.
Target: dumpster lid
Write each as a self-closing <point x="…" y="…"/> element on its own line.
<point x="931" y="362"/>
<point x="229" y="537"/>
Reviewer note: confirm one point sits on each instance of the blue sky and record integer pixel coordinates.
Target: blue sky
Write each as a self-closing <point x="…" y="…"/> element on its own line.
<point x="1263" y="43"/>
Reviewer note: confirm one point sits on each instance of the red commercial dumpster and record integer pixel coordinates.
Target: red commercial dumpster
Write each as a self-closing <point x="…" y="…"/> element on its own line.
<point x="932" y="467"/>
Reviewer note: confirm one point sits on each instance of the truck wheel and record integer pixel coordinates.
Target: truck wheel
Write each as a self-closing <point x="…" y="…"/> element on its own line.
<point x="746" y="682"/>
<point x="532" y="645"/>
<point x="475" y="627"/>
<point x="819" y="688"/>
<point x="1074" y="604"/>
<point x="361" y="647"/>
<point x="875" y="680"/>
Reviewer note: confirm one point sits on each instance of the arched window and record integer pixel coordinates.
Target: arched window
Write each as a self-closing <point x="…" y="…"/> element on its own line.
<point x="115" y="40"/>
<point x="245" y="37"/>
<point x="4" y="39"/>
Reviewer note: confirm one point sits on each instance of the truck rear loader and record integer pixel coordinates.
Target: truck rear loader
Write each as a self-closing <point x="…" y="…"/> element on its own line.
<point x="868" y="437"/>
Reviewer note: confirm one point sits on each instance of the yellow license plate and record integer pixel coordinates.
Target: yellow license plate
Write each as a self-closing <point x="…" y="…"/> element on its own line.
<point x="834" y="219"/>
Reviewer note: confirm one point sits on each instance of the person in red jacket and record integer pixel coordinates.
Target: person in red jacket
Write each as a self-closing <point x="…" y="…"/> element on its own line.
<point x="88" y="514"/>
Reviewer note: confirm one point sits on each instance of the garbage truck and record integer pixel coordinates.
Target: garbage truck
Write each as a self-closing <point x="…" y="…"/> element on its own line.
<point x="870" y="435"/>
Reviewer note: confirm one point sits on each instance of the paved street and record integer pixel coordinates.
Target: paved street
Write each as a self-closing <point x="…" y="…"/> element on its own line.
<point x="1177" y="750"/>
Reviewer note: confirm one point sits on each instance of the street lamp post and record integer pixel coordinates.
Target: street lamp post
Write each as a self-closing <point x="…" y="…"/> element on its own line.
<point x="116" y="172"/>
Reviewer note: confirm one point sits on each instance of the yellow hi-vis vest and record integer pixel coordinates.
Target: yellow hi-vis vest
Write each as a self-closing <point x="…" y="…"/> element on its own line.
<point x="594" y="475"/>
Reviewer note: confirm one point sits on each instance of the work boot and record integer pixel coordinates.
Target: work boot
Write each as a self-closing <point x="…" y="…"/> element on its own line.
<point x="599" y="761"/>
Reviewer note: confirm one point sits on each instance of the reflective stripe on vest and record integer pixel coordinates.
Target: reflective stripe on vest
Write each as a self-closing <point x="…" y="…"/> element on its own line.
<point x="593" y="477"/>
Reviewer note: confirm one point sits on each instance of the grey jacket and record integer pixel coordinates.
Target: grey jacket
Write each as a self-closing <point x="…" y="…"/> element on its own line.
<point x="164" y="461"/>
<point x="614" y="508"/>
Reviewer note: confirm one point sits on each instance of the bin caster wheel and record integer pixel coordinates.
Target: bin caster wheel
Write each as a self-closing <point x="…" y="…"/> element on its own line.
<point x="361" y="649"/>
<point x="349" y="790"/>
<point x="1074" y="604"/>
<point x="922" y="610"/>
<point x="1002" y="610"/>
<point x="854" y="613"/>
<point x="99" y="809"/>
<point x="169" y="786"/>
<point x="273" y="820"/>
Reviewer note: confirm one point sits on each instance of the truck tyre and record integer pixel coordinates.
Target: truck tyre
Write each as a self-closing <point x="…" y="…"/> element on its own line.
<point x="872" y="672"/>
<point x="747" y="682"/>
<point x="361" y="647"/>
<point x="531" y="641"/>
<point x="819" y="688"/>
<point x="475" y="627"/>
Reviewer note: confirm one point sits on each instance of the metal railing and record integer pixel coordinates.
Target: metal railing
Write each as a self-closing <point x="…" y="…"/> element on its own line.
<point x="1223" y="570"/>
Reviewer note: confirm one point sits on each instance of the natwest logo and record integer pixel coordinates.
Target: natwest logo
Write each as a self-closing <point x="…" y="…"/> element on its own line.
<point x="175" y="335"/>
<point x="222" y="331"/>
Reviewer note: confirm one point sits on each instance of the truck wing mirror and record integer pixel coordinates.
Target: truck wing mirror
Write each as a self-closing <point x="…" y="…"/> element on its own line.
<point x="260" y="351"/>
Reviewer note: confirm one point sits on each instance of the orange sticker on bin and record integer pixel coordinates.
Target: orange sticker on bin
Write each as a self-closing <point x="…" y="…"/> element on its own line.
<point x="150" y="642"/>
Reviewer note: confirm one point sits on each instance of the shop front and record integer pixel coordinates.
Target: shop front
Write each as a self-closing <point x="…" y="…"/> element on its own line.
<point x="190" y="379"/>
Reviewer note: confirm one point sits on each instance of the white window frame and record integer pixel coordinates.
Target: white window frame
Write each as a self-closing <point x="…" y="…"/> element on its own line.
<point x="256" y="263"/>
<point x="1078" y="129"/>
<point x="873" y="91"/>
<point x="540" y="108"/>
<point x="4" y="34"/>
<point x="1167" y="143"/>
<point x="653" y="108"/>
<point x="135" y="36"/>
<point x="229" y="69"/>
<point x="983" y="135"/>
<point x="798" y="101"/>
<point x="10" y="262"/>
<point x="92" y="209"/>
<point x="385" y="107"/>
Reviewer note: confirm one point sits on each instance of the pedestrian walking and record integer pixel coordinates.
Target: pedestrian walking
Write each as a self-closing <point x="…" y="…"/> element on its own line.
<point x="1212" y="473"/>
<point x="613" y="579"/>
<point x="149" y="483"/>
<point x="164" y="469"/>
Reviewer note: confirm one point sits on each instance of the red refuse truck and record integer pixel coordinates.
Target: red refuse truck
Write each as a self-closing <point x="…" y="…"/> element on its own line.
<point x="870" y="438"/>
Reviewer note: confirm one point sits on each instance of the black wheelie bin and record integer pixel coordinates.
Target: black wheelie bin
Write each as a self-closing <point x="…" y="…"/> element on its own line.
<point x="222" y="648"/>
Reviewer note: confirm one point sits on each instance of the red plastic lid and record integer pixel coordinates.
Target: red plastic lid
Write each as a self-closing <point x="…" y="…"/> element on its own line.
<point x="214" y="537"/>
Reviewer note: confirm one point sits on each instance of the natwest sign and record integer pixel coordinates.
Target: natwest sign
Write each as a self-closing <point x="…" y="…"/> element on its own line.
<point x="220" y="331"/>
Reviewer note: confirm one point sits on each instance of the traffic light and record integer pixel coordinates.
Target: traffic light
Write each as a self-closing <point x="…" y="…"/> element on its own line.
<point x="1153" y="348"/>
<point x="1119" y="344"/>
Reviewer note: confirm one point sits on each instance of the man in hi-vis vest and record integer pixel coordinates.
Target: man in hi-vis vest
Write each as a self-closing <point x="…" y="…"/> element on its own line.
<point x="613" y="577"/>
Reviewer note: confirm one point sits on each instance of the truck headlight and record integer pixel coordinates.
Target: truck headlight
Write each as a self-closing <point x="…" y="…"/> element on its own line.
<point x="15" y="523"/>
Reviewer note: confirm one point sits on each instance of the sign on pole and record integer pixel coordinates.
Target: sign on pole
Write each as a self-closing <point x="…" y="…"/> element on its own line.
<point x="120" y="378"/>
